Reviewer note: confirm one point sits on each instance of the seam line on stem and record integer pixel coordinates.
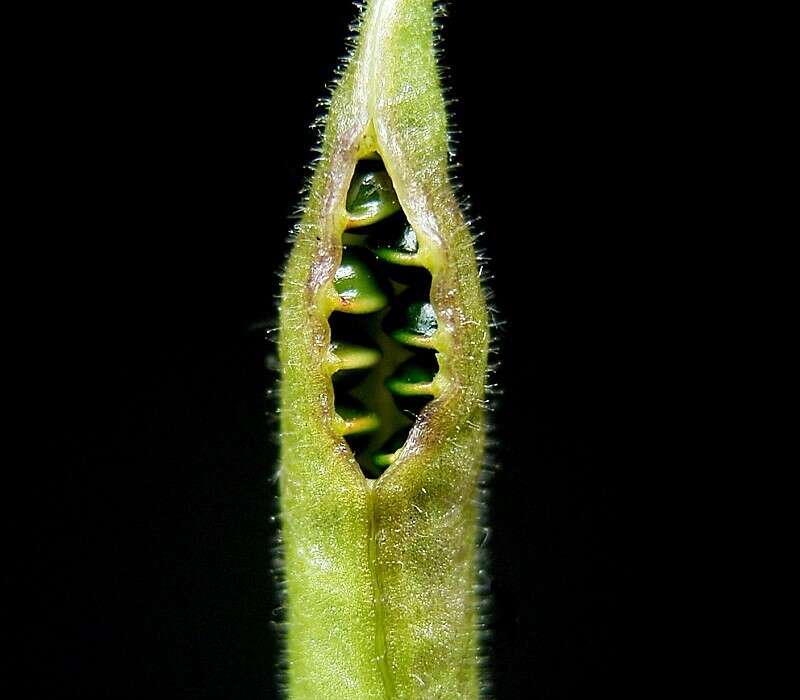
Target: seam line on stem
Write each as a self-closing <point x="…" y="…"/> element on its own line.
<point x="377" y="592"/>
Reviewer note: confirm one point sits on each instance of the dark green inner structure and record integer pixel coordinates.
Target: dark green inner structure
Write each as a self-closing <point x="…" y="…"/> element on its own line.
<point x="381" y="332"/>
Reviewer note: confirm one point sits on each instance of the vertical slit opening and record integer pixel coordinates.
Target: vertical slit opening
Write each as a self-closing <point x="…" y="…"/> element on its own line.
<point x="383" y="325"/>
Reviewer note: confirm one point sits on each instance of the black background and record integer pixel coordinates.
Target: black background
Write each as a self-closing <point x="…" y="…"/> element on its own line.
<point x="179" y="141"/>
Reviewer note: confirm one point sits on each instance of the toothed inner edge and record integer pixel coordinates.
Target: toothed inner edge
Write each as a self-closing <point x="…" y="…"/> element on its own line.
<point x="376" y="411"/>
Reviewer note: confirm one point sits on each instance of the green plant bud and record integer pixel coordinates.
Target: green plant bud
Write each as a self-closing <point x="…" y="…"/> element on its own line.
<point x="371" y="198"/>
<point x="350" y="356"/>
<point x="380" y="552"/>
<point x="361" y="287"/>
<point x="351" y="363"/>
<point x="356" y="418"/>
<point x="413" y="378"/>
<point x="413" y="322"/>
<point x="400" y="249"/>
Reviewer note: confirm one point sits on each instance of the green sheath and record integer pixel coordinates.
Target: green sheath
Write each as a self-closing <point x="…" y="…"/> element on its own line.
<point x="381" y="574"/>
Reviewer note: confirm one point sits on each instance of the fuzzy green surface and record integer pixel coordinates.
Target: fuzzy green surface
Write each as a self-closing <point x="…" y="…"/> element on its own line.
<point x="380" y="574"/>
